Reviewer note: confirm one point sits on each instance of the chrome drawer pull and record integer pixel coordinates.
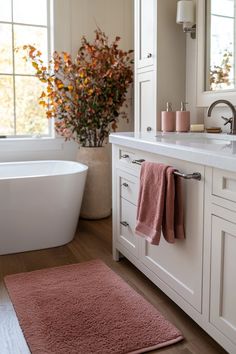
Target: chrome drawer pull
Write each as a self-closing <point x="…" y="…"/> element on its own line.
<point x="138" y="162"/>
<point x="124" y="223"/>
<point x="125" y="156"/>
<point x="125" y="185"/>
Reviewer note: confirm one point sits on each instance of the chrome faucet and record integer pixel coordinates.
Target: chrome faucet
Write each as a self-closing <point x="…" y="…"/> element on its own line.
<point x="232" y="120"/>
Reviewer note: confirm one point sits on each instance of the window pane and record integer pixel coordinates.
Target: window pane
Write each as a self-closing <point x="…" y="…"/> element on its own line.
<point x="5" y="13"/>
<point x="222" y="47"/>
<point x="29" y="35"/>
<point x="30" y="11"/>
<point x="6" y="105"/>
<point x="222" y="7"/>
<point x="6" y="49"/>
<point x="30" y="116"/>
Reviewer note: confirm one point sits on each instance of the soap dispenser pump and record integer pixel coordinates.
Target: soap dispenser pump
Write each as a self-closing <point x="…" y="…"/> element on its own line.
<point x="168" y="119"/>
<point x="183" y="119"/>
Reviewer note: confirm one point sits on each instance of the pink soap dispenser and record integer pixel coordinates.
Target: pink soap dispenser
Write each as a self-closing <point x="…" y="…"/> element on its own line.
<point x="168" y="119"/>
<point x="183" y="119"/>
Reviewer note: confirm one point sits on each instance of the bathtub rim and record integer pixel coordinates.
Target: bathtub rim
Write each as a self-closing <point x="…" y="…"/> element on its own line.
<point x="83" y="169"/>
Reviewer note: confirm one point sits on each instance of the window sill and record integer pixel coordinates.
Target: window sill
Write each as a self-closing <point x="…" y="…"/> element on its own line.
<point x="31" y="144"/>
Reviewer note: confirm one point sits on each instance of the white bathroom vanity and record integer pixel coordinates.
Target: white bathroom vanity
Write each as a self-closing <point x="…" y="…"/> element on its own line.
<point x="198" y="273"/>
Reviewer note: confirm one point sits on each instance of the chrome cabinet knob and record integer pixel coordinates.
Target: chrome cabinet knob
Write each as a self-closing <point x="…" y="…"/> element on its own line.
<point x="149" y="129"/>
<point x="125" y="185"/>
<point x="138" y="162"/>
<point x="125" y="156"/>
<point x="149" y="55"/>
<point x="124" y="223"/>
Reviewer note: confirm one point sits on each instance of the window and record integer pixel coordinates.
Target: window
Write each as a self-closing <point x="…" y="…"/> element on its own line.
<point x="222" y="38"/>
<point x="22" y="22"/>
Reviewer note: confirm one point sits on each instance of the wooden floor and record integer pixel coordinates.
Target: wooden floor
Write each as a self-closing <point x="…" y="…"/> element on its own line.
<point x="93" y="240"/>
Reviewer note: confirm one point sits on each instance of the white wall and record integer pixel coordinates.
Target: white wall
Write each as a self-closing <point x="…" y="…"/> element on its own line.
<point x="115" y="18"/>
<point x="40" y="149"/>
<point x="196" y="114"/>
<point x="74" y="18"/>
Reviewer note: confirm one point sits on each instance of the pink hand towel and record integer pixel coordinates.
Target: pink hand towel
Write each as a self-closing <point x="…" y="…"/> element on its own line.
<point x="168" y="227"/>
<point x="160" y="204"/>
<point x="179" y="209"/>
<point x="151" y="201"/>
<point x="173" y="218"/>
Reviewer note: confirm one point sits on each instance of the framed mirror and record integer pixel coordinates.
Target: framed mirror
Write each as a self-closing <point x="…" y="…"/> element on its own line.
<point x="216" y="33"/>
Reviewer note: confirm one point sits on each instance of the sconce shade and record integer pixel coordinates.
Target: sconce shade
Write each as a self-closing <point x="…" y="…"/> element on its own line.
<point x="185" y="12"/>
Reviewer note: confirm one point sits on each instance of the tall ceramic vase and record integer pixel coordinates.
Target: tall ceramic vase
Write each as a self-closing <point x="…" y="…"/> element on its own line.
<point x="97" y="194"/>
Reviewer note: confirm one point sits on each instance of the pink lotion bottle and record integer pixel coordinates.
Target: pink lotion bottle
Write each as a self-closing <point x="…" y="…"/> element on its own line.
<point x="183" y="119"/>
<point x="168" y="119"/>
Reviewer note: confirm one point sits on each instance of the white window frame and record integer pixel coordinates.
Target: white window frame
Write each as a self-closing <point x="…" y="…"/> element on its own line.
<point x="50" y="40"/>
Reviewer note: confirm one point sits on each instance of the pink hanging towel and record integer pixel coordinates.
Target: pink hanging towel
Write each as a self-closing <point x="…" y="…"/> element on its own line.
<point x="179" y="209"/>
<point x="151" y="201"/>
<point x="173" y="217"/>
<point x="160" y="204"/>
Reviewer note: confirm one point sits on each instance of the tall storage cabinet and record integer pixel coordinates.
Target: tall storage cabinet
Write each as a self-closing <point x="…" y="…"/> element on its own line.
<point x="159" y="61"/>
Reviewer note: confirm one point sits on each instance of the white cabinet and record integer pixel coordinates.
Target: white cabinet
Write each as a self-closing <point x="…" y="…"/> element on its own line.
<point x="160" y="51"/>
<point x="223" y="280"/>
<point x="145" y="32"/>
<point x="145" y="102"/>
<point x="198" y="272"/>
<point x="186" y="279"/>
<point x="222" y="240"/>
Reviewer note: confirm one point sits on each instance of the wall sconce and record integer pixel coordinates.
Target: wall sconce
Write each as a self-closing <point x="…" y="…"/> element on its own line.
<point x="186" y="16"/>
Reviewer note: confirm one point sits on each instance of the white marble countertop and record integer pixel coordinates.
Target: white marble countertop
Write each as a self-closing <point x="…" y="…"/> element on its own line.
<point x="215" y="150"/>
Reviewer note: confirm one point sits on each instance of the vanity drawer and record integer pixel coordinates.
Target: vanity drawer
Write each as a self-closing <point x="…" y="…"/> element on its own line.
<point x="128" y="159"/>
<point x="128" y="187"/>
<point x="126" y="235"/>
<point x="224" y="184"/>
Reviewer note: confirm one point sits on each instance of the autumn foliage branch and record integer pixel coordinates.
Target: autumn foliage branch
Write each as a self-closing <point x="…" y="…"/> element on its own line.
<point x="85" y="95"/>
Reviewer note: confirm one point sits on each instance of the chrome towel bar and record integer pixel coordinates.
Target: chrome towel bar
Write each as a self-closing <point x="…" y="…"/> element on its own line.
<point x="194" y="175"/>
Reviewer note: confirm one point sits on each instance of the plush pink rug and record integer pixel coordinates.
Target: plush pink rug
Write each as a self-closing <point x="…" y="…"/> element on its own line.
<point x="83" y="309"/>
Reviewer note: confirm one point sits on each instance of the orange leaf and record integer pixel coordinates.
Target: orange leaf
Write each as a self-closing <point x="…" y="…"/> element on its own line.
<point x="43" y="94"/>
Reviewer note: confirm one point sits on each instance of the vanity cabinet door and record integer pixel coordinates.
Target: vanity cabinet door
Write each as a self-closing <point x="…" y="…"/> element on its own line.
<point x="145" y="19"/>
<point x="223" y="280"/>
<point x="179" y="265"/>
<point x="145" y="102"/>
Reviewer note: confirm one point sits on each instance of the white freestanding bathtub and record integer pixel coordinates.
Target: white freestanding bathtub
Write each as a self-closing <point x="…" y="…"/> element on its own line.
<point x="39" y="204"/>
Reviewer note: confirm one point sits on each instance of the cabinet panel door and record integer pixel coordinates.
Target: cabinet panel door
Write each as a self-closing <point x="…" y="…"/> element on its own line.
<point x="145" y="102"/>
<point x="145" y="24"/>
<point x="223" y="280"/>
<point x="179" y="265"/>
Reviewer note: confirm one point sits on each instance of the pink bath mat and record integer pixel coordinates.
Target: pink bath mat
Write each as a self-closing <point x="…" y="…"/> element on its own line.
<point x="83" y="309"/>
